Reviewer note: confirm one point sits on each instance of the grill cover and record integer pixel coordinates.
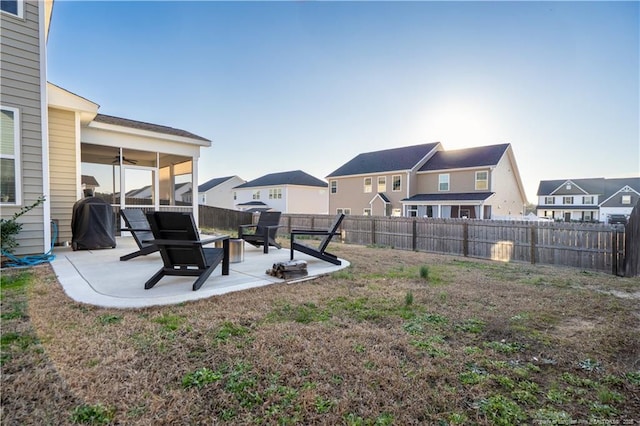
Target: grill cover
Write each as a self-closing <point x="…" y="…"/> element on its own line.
<point x="92" y="225"/>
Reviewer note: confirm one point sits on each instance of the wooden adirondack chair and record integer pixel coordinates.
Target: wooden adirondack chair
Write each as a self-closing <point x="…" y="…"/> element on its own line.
<point x="176" y="236"/>
<point x="320" y="251"/>
<point x="138" y="225"/>
<point x="265" y="231"/>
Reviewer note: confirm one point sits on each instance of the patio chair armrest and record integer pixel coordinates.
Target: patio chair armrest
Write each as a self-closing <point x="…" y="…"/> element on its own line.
<point x="185" y="243"/>
<point x="312" y="232"/>
<point x="214" y="239"/>
<point x="135" y="229"/>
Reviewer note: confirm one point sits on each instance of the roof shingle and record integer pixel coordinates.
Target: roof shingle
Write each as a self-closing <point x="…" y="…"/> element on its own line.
<point x="479" y="156"/>
<point x="140" y="125"/>
<point x="295" y="177"/>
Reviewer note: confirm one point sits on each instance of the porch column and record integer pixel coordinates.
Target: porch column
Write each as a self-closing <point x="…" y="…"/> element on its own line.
<point x="194" y="190"/>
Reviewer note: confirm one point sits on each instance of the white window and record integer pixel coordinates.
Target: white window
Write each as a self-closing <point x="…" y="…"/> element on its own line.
<point x="13" y="7"/>
<point x="443" y="182"/>
<point x="366" y="212"/>
<point x="549" y="200"/>
<point x="396" y="183"/>
<point x="382" y="183"/>
<point x="587" y="199"/>
<point x="235" y="195"/>
<point x="367" y="184"/>
<point x="626" y="199"/>
<point x="256" y="195"/>
<point x="275" y="194"/>
<point x="412" y="211"/>
<point x="345" y="211"/>
<point x="9" y="156"/>
<point x="567" y="200"/>
<point x="396" y="212"/>
<point x="482" y="181"/>
<point x="334" y="186"/>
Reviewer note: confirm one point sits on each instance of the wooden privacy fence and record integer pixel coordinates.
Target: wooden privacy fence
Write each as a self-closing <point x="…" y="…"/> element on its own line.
<point x="595" y="247"/>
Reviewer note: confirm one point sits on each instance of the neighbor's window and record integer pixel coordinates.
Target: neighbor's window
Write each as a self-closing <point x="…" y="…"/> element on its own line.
<point x="626" y="199"/>
<point x="396" y="212"/>
<point x="14" y="7"/>
<point x="397" y="182"/>
<point x="366" y="212"/>
<point x="367" y="184"/>
<point x="549" y="200"/>
<point x="443" y="182"/>
<point x="275" y="194"/>
<point x="588" y="199"/>
<point x="235" y="195"/>
<point x="482" y="181"/>
<point x="334" y="186"/>
<point x="346" y="211"/>
<point x="9" y="155"/>
<point x="382" y="183"/>
<point x="567" y="200"/>
<point x="256" y="195"/>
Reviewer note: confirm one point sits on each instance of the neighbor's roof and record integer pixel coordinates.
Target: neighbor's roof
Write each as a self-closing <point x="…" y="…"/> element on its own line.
<point x="89" y="180"/>
<point x="592" y="186"/>
<point x="462" y="196"/>
<point x="125" y="122"/>
<point x="387" y="160"/>
<point x="213" y="183"/>
<point x="480" y="156"/>
<point x="296" y="177"/>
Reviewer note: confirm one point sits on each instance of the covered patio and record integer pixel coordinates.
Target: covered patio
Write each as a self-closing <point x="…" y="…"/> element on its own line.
<point x="98" y="277"/>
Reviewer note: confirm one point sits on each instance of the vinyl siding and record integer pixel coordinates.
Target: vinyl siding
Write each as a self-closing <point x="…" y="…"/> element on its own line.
<point x="351" y="192"/>
<point x="459" y="181"/>
<point x="507" y="200"/>
<point x="63" y="173"/>
<point x="20" y="68"/>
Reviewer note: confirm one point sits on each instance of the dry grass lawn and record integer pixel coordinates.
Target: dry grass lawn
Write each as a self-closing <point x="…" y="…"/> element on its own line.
<point x="397" y="338"/>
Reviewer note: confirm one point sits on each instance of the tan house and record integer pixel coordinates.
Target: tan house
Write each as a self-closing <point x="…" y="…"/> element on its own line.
<point x="51" y="138"/>
<point x="427" y="181"/>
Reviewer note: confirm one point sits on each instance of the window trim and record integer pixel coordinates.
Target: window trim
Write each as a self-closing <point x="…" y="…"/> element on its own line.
<point x="588" y="200"/>
<point x="485" y="181"/>
<point x="626" y="199"/>
<point x="368" y="188"/>
<point x="275" y="193"/>
<point x="366" y="211"/>
<point x="567" y="198"/>
<point x="346" y="211"/>
<point x="255" y="194"/>
<point x="383" y="187"/>
<point x="440" y="182"/>
<point x="333" y="186"/>
<point x="20" y="10"/>
<point x="17" y="137"/>
<point x="393" y="181"/>
<point x="550" y="200"/>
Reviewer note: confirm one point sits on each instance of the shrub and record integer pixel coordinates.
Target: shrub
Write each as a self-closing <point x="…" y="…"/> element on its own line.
<point x="10" y="228"/>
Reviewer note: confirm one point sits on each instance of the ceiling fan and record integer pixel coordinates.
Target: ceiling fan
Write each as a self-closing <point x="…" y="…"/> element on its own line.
<point x="116" y="160"/>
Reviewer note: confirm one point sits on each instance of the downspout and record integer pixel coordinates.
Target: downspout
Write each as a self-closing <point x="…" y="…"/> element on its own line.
<point x="44" y="117"/>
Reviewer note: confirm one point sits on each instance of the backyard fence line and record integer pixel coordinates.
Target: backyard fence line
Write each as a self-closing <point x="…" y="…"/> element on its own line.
<point x="588" y="246"/>
<point x="595" y="247"/>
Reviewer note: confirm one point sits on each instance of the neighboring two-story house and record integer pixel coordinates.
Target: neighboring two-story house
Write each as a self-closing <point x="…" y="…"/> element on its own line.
<point x="218" y="192"/>
<point x="52" y="137"/>
<point x="427" y="181"/>
<point x="288" y="192"/>
<point x="587" y="200"/>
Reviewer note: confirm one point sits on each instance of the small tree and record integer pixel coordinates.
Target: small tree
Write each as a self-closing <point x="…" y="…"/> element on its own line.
<point x="9" y="228"/>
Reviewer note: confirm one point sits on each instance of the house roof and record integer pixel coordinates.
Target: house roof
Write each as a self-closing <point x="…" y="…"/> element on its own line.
<point x="387" y="160"/>
<point x="480" y="156"/>
<point x="592" y="186"/>
<point x="252" y="203"/>
<point x="140" y="125"/>
<point x="461" y="196"/>
<point x="213" y="183"/>
<point x="295" y="177"/>
<point x="89" y="180"/>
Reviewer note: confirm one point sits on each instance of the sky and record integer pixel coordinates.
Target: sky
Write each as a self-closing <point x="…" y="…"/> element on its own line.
<point x="302" y="85"/>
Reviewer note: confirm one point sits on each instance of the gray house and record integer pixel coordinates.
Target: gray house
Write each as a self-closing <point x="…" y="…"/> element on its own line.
<point x="587" y="200"/>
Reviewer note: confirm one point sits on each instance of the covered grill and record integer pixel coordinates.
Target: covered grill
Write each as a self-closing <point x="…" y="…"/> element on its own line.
<point x="92" y="225"/>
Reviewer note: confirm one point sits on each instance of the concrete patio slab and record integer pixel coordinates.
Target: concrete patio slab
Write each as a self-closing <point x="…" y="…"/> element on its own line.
<point x="98" y="277"/>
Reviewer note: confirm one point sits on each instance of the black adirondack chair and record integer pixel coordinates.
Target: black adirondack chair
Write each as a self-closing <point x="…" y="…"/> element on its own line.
<point x="182" y="251"/>
<point x="265" y="231"/>
<point x="136" y="222"/>
<point x="320" y="251"/>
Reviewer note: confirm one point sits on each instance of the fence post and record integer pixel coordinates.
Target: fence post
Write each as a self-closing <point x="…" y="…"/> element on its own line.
<point x="465" y="239"/>
<point x="373" y="231"/>
<point x="414" y="236"/>
<point x="614" y="251"/>
<point x="534" y="242"/>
